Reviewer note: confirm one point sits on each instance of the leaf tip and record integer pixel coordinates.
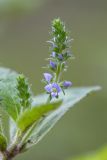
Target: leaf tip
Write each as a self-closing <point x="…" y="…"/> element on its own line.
<point x="97" y="88"/>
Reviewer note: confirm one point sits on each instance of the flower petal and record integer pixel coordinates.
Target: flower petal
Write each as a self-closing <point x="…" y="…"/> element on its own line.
<point x="54" y="94"/>
<point x="60" y="56"/>
<point x="53" y="54"/>
<point x="48" y="88"/>
<point x="67" y="84"/>
<point x="53" y="64"/>
<point x="55" y="85"/>
<point x="47" y="77"/>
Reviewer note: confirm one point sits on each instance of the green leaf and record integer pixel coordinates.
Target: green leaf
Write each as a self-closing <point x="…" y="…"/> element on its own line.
<point x="7" y="100"/>
<point x="101" y="154"/>
<point x="3" y="142"/>
<point x="72" y="96"/>
<point x="8" y="92"/>
<point x="12" y="129"/>
<point x="32" y="115"/>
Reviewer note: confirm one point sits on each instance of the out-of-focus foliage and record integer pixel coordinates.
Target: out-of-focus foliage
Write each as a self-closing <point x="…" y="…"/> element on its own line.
<point x="8" y="6"/>
<point x="101" y="154"/>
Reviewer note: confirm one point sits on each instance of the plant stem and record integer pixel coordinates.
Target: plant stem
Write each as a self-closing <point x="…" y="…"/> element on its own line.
<point x="58" y="72"/>
<point x="13" y="149"/>
<point x="2" y="156"/>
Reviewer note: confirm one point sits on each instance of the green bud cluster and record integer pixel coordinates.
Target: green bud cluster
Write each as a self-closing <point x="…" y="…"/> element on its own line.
<point x="23" y="91"/>
<point x="60" y="36"/>
<point x="60" y="47"/>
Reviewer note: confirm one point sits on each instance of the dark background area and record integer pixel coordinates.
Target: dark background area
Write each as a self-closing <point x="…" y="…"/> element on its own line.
<point x="23" y="48"/>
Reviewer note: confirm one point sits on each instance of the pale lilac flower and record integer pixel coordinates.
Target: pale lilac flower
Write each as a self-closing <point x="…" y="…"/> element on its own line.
<point x="67" y="84"/>
<point x="53" y="64"/>
<point x="47" y="77"/>
<point x="53" y="54"/>
<point x="53" y="89"/>
<point x="60" y="56"/>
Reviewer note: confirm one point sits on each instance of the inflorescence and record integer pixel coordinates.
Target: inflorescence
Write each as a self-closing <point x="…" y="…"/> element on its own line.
<point x="59" y="54"/>
<point x="24" y="91"/>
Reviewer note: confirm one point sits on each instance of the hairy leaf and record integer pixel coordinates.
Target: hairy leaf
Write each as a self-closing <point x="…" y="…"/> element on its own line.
<point x="8" y="93"/>
<point x="3" y="142"/>
<point x="72" y="96"/>
<point x="32" y="115"/>
<point x="12" y="129"/>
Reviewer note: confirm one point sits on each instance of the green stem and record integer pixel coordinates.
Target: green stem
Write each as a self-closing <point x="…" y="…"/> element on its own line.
<point x="58" y="72"/>
<point x="13" y="149"/>
<point x="26" y="136"/>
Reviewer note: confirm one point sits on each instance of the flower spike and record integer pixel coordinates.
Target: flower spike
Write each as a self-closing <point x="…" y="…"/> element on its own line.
<point x="60" y="53"/>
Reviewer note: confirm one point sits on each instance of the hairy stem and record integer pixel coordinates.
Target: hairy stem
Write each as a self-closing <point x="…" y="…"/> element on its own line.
<point x="13" y="149"/>
<point x="58" y="73"/>
<point x="2" y="156"/>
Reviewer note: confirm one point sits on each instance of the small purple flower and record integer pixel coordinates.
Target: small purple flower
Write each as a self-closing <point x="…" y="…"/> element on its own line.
<point x="53" y="89"/>
<point x="53" y="64"/>
<point x="53" y="54"/>
<point x="60" y="56"/>
<point x="47" y="77"/>
<point x="67" y="84"/>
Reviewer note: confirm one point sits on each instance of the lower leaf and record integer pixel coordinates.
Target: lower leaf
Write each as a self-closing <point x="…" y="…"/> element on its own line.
<point x="72" y="96"/>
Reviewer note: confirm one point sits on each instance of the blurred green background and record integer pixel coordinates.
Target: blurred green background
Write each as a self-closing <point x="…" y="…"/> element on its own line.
<point x="24" y="30"/>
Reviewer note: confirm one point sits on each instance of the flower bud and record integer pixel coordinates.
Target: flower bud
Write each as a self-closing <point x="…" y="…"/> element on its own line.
<point x="53" y="65"/>
<point x="67" y="84"/>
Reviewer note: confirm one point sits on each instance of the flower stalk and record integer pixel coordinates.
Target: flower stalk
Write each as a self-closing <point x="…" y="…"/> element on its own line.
<point x="59" y="55"/>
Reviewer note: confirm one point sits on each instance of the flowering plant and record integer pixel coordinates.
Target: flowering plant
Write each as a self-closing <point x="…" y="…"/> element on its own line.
<point x="28" y="117"/>
<point x="59" y="54"/>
